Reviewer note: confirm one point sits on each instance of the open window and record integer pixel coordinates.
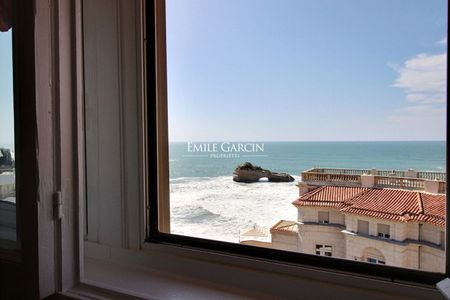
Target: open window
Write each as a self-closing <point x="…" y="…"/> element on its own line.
<point x="244" y="132"/>
<point x="229" y="174"/>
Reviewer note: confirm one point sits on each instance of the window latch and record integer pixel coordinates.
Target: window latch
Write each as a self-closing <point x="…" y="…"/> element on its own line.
<point x="57" y="206"/>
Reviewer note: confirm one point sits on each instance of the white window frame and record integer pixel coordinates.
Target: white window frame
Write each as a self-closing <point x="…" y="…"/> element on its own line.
<point x="324" y="250"/>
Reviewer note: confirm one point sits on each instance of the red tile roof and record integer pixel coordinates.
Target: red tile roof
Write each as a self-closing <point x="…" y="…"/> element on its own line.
<point x="383" y="203"/>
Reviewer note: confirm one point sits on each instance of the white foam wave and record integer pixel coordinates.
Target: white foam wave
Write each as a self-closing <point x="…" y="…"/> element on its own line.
<point x="217" y="207"/>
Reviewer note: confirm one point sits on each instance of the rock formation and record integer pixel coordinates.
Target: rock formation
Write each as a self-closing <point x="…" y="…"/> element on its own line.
<point x="248" y="173"/>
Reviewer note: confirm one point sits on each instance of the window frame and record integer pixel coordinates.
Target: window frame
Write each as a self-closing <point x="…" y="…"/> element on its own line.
<point x="383" y="234"/>
<point x="8" y="246"/>
<point x="158" y="219"/>
<point x="21" y="263"/>
<point x="323" y="249"/>
<point x="372" y="260"/>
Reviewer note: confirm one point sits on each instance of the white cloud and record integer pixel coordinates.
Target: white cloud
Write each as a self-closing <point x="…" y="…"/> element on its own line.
<point x="443" y="41"/>
<point x="423" y="79"/>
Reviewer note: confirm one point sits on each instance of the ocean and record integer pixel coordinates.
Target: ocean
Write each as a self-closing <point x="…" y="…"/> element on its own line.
<point x="205" y="201"/>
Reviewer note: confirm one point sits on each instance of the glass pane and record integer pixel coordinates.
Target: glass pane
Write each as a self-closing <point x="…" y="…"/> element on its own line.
<point x="8" y="234"/>
<point x="281" y="109"/>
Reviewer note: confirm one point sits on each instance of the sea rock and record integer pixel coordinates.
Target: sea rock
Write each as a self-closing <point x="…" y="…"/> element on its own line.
<point x="249" y="173"/>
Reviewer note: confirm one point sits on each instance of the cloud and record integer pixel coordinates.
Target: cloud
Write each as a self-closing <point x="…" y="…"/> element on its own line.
<point x="443" y="41"/>
<point x="423" y="79"/>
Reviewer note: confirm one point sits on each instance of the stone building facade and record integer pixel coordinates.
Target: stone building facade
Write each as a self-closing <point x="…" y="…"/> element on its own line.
<point x="392" y="226"/>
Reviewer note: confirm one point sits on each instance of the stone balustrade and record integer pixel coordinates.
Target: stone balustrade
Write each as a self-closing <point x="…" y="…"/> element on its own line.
<point x="433" y="182"/>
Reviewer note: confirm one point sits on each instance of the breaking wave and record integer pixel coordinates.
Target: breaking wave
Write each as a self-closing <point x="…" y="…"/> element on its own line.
<point x="217" y="207"/>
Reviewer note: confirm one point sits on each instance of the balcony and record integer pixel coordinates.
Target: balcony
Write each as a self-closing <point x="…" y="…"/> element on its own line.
<point x="433" y="182"/>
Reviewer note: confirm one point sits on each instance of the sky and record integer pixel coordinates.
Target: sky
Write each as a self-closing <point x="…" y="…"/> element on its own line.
<point x="6" y="90"/>
<point x="292" y="70"/>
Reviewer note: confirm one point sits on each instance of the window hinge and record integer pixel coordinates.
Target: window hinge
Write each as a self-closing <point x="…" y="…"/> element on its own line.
<point x="57" y="206"/>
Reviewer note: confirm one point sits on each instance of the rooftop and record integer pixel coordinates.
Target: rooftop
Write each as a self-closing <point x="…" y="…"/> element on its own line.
<point x="255" y="233"/>
<point x="433" y="182"/>
<point x="384" y="203"/>
<point x="284" y="226"/>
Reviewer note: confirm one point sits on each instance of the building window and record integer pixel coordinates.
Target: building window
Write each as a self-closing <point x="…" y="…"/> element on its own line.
<point x="373" y="260"/>
<point x="324" y="217"/>
<point x="363" y="227"/>
<point x="324" y="250"/>
<point x="384" y="231"/>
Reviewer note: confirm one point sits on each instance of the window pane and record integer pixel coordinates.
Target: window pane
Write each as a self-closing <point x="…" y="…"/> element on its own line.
<point x="8" y="234"/>
<point x="382" y="228"/>
<point x="287" y="115"/>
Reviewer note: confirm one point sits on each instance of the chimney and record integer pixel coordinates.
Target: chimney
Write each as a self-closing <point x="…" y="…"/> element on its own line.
<point x="411" y="173"/>
<point x="431" y="186"/>
<point x="367" y="181"/>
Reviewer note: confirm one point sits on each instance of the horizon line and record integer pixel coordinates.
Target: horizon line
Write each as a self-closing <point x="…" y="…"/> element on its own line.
<point x="306" y="141"/>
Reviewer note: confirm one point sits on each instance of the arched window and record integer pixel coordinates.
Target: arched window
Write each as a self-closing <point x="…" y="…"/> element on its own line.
<point x="373" y="256"/>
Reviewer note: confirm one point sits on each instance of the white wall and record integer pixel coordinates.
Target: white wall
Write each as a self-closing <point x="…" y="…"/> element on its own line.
<point x="431" y="233"/>
<point x="352" y="246"/>
<point x="311" y="235"/>
<point x="398" y="230"/>
<point x="311" y="214"/>
<point x="289" y="242"/>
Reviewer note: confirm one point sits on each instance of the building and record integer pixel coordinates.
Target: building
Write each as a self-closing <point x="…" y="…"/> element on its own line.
<point x="394" y="218"/>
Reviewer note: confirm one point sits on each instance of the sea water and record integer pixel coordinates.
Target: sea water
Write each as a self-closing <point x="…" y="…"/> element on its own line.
<point x="205" y="201"/>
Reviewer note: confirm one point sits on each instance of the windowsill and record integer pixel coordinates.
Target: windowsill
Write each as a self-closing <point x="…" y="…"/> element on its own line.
<point x="165" y="271"/>
<point x="148" y="283"/>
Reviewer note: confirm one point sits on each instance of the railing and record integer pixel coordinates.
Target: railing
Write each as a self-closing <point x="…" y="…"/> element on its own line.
<point x="432" y="175"/>
<point x="392" y="173"/>
<point x="402" y="183"/>
<point x="440" y="176"/>
<point x="343" y="178"/>
<point x="340" y="171"/>
<point x="409" y="180"/>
